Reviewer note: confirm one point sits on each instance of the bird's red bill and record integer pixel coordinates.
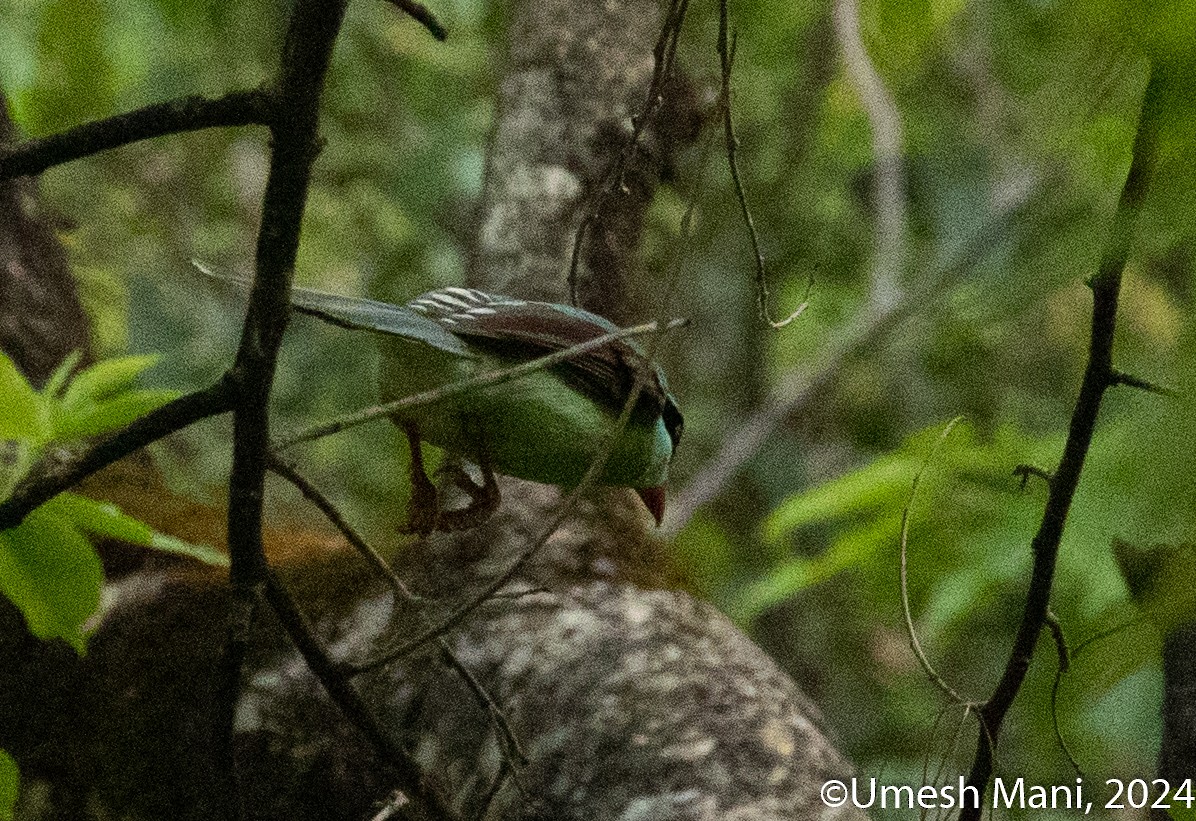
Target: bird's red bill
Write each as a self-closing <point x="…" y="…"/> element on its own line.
<point x="654" y="500"/>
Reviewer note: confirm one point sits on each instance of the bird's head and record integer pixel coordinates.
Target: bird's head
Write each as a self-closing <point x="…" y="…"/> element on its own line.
<point x="668" y="429"/>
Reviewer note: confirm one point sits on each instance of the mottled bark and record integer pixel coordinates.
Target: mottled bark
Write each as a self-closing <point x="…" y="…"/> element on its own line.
<point x="576" y="75"/>
<point x="631" y="698"/>
<point x="41" y="319"/>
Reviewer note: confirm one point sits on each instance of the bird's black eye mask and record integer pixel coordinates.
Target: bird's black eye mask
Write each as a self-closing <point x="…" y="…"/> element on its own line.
<point x="673" y="421"/>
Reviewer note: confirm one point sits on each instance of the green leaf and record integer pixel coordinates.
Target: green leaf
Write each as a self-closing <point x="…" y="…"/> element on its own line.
<point x="106" y="519"/>
<point x="20" y="406"/>
<point x="100" y="518"/>
<point x="885" y="481"/>
<point x="52" y="574"/>
<point x="106" y="379"/>
<point x="10" y="783"/>
<point x="62" y="373"/>
<point x="200" y="552"/>
<point x="1179" y="812"/>
<point x="110" y="415"/>
<point x="854" y="547"/>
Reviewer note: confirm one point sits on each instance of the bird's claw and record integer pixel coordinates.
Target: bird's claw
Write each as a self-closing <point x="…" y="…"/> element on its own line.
<point x="425" y="515"/>
<point x="483" y="501"/>
<point x="423" y="510"/>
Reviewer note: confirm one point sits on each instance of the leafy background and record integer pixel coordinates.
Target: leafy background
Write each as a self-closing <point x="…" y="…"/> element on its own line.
<point x="1001" y="101"/>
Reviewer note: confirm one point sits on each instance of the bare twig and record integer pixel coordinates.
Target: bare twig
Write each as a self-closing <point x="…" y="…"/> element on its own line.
<point x="727" y="62"/>
<point x="193" y="113"/>
<point x="1024" y="472"/>
<point x="482" y="380"/>
<point x="1064" y="656"/>
<point x="53" y="477"/>
<point x="391" y="809"/>
<point x="911" y="632"/>
<point x="888" y="193"/>
<point x="347" y="698"/>
<point x="952" y="747"/>
<point x="1098" y="377"/>
<point x="1131" y="381"/>
<point x="422" y="15"/>
<point x="330" y="511"/>
<point x="287" y="471"/>
<point x="1056" y="628"/>
<point x="869" y="328"/>
<point x="664" y="54"/>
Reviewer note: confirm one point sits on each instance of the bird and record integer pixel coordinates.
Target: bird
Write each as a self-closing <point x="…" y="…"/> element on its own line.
<point x="547" y="426"/>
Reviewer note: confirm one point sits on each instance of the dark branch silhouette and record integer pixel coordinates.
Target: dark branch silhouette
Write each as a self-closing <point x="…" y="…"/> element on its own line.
<point x="422" y="15"/>
<point x="58" y="473"/>
<point x="158" y="120"/>
<point x="1099" y="376"/>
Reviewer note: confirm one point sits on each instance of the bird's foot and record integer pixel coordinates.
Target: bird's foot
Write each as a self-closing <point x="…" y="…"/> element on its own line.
<point x="483" y="501"/>
<point x="423" y="510"/>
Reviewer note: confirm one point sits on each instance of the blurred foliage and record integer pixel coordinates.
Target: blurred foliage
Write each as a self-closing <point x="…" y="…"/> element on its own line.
<point x="1007" y="101"/>
<point x="48" y="568"/>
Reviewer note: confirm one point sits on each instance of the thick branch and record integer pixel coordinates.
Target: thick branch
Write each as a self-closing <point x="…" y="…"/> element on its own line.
<point x="157" y="120"/>
<point x="307" y="52"/>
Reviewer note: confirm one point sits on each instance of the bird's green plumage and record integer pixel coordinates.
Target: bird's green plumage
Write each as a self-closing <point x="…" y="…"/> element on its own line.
<point x="547" y="426"/>
<point x="536" y="427"/>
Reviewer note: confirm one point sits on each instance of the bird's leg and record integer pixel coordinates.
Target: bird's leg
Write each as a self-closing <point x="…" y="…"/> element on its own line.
<point x="483" y="499"/>
<point x="422" y="510"/>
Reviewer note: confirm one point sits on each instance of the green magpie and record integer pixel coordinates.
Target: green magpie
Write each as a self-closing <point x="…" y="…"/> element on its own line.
<point x="547" y="426"/>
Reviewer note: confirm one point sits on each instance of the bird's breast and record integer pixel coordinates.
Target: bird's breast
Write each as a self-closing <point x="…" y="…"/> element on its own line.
<point x="535" y="427"/>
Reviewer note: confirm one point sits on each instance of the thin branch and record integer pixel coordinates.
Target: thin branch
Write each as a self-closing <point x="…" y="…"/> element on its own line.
<point x="345" y="695"/>
<point x="1098" y="377"/>
<point x="1056" y="629"/>
<point x="185" y="114"/>
<point x="391" y="809"/>
<point x="888" y="193"/>
<point x="664" y="54"/>
<point x="53" y="477"/>
<point x="313" y="494"/>
<point x="870" y="328"/>
<point x="422" y="15"/>
<point x="1024" y="472"/>
<point x="1131" y="381"/>
<point x="330" y="511"/>
<point x="1064" y="656"/>
<point x="949" y="752"/>
<point x="911" y="632"/>
<point x="482" y="380"/>
<point x="727" y="61"/>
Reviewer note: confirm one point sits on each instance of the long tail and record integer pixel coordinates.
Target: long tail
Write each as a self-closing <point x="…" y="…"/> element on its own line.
<point x="357" y="314"/>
